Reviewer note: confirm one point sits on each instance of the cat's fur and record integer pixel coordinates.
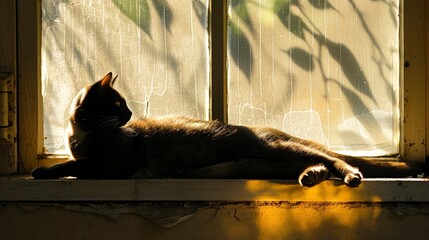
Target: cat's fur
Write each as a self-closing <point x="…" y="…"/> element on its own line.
<point x="105" y="144"/>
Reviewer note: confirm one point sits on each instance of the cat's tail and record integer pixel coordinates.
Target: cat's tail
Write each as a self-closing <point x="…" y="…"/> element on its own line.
<point x="383" y="168"/>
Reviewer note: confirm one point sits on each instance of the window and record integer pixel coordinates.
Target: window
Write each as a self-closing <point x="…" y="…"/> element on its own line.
<point x="160" y="49"/>
<point x="313" y="54"/>
<point x="321" y="70"/>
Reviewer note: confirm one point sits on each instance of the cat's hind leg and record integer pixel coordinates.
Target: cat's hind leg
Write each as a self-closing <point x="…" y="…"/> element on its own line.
<point x="314" y="175"/>
<point x="353" y="178"/>
<point x="296" y="152"/>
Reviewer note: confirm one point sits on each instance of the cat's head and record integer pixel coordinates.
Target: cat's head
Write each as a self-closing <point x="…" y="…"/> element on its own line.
<point x="100" y="105"/>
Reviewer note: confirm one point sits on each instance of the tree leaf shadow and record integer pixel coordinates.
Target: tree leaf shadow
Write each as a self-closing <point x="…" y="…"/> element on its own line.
<point x="201" y="11"/>
<point x="239" y="49"/>
<point x="358" y="107"/>
<point x="51" y="9"/>
<point x="136" y="11"/>
<point x="164" y="12"/>
<point x="323" y="4"/>
<point x="291" y="21"/>
<point x="240" y="8"/>
<point x="349" y="65"/>
<point x="301" y="58"/>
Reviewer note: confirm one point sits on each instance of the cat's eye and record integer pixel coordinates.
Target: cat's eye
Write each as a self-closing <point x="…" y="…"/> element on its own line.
<point x="118" y="103"/>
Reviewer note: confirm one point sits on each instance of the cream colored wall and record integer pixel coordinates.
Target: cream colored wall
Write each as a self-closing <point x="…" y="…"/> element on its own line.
<point x="227" y="221"/>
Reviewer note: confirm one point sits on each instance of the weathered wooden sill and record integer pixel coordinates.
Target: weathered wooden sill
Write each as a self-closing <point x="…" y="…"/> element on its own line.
<point x="371" y="190"/>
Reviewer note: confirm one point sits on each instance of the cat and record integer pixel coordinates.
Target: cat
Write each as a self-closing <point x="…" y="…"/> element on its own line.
<point x="106" y="144"/>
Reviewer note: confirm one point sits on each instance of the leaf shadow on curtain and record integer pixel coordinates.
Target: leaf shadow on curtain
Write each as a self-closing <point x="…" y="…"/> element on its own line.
<point x="78" y="55"/>
<point x="350" y="66"/>
<point x="139" y="12"/>
<point x="302" y="27"/>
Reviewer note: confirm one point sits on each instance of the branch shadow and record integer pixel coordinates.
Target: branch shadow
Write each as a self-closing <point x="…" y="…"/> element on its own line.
<point x="240" y="44"/>
<point x="291" y="21"/>
<point x="240" y="37"/>
<point x="239" y="49"/>
<point x="349" y="65"/>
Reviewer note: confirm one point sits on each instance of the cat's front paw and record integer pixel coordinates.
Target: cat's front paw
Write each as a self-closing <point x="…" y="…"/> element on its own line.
<point x="40" y="173"/>
<point x="313" y="176"/>
<point x="353" y="179"/>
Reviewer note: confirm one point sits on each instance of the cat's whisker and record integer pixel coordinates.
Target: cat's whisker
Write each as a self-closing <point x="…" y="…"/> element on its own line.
<point x="85" y="113"/>
<point x="104" y="120"/>
<point x="107" y="118"/>
<point x="106" y="126"/>
<point x="113" y="126"/>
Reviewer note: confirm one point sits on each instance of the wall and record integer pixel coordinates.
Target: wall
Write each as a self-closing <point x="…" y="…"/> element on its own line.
<point x="224" y="221"/>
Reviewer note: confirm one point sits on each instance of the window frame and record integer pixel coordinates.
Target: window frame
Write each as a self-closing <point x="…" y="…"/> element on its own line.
<point x="413" y="34"/>
<point x="371" y="190"/>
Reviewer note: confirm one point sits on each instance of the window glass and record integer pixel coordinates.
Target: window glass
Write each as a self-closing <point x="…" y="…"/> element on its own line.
<point x="326" y="70"/>
<point x="159" y="49"/>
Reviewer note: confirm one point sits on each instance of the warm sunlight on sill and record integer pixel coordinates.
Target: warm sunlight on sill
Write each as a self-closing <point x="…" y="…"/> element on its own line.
<point x="371" y="190"/>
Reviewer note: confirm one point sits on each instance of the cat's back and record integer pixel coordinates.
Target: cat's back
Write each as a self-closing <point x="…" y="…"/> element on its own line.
<point x="170" y="126"/>
<point x="176" y="144"/>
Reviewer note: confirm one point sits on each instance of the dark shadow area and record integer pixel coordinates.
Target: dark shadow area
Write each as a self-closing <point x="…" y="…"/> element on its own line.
<point x="201" y="12"/>
<point x="240" y="50"/>
<point x="301" y="57"/>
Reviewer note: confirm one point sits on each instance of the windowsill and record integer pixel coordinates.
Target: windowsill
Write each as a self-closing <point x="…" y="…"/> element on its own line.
<point x="371" y="190"/>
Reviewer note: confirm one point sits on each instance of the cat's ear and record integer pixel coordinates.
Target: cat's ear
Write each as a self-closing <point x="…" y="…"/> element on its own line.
<point x="106" y="82"/>
<point x="114" y="79"/>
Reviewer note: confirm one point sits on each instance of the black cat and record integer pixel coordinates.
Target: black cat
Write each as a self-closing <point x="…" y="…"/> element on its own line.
<point x="105" y="144"/>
